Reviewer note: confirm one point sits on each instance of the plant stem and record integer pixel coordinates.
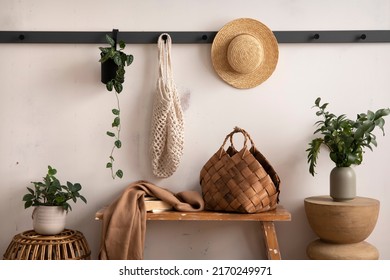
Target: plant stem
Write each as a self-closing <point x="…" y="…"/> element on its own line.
<point x="117" y="137"/>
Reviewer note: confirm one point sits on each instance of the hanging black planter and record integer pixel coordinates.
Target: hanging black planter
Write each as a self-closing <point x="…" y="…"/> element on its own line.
<point x="113" y="62"/>
<point x="109" y="67"/>
<point x="108" y="71"/>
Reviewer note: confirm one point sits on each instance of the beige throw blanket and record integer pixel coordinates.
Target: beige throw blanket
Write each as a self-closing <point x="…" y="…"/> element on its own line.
<point x="124" y="220"/>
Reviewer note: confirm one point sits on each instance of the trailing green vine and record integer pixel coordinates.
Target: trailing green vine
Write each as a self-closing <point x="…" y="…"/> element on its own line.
<point x="121" y="60"/>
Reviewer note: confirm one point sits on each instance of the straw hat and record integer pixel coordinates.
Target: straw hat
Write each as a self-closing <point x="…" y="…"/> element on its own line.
<point x="244" y="53"/>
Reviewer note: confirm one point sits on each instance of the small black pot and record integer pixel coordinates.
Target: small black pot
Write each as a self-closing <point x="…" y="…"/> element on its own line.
<point x="108" y="71"/>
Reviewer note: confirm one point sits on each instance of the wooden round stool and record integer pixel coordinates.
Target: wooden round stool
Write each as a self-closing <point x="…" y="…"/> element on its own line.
<point x="67" y="245"/>
<point x="321" y="250"/>
<point x="342" y="228"/>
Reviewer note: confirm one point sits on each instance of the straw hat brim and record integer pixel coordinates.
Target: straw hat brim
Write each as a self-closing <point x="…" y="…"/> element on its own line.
<point x="220" y="46"/>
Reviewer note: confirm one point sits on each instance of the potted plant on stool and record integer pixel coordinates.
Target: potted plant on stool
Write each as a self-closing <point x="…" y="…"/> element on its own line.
<point x="346" y="140"/>
<point x="50" y="200"/>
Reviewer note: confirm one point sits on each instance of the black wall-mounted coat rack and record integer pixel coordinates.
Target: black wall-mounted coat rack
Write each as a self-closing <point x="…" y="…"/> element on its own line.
<point x="190" y="37"/>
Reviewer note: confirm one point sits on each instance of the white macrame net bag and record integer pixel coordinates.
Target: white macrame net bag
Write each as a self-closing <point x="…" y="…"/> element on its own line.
<point x="167" y="135"/>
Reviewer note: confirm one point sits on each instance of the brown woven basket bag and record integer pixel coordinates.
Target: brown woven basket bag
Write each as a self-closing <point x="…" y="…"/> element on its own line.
<point x="239" y="181"/>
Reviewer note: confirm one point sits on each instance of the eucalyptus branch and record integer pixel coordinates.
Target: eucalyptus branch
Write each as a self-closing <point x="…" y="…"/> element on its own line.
<point x="345" y="138"/>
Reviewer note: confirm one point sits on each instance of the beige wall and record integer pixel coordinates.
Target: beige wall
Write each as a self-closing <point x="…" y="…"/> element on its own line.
<point x="54" y="110"/>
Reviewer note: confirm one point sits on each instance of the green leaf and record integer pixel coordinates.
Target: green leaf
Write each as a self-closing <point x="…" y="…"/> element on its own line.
<point x="28" y="197"/>
<point x="381" y="113"/>
<point x="28" y="204"/>
<point x="122" y="44"/>
<point x="119" y="173"/>
<point x="30" y="190"/>
<point x="51" y="171"/>
<point x="333" y="157"/>
<point x="313" y="152"/>
<point x="116" y="122"/>
<point x="115" y="111"/>
<point x="118" y="144"/>
<point x="373" y="141"/>
<point x="104" y="50"/>
<point x="77" y="187"/>
<point x="370" y="115"/>
<point x="67" y="207"/>
<point x="362" y="129"/>
<point x="323" y="107"/>
<point x="83" y="198"/>
<point x="108" y="165"/>
<point x="120" y="77"/>
<point x="117" y="59"/>
<point x="381" y="123"/>
<point x="69" y="185"/>
<point x="120" y="73"/>
<point x="110" y="40"/>
<point x="110" y="85"/>
<point x="118" y="87"/>
<point x="111" y="134"/>
<point x="317" y="102"/>
<point x="105" y="57"/>
<point x="129" y="59"/>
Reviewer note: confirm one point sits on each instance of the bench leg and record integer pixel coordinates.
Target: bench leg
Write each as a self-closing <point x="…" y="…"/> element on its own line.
<point x="271" y="241"/>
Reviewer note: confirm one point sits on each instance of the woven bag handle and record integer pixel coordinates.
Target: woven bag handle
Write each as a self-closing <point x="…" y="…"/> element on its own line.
<point x="243" y="131"/>
<point x="230" y="136"/>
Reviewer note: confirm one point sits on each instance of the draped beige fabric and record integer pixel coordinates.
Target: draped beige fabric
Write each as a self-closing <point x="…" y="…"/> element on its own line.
<point x="124" y="220"/>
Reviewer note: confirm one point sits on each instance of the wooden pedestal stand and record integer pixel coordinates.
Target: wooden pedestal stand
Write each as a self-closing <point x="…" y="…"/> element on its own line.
<point x="342" y="228"/>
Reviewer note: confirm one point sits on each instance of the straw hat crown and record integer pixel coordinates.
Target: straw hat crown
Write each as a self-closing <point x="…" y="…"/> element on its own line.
<point x="244" y="53"/>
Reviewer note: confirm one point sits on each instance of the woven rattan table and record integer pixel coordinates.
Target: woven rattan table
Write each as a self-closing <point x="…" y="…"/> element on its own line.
<point x="67" y="245"/>
<point x="266" y="220"/>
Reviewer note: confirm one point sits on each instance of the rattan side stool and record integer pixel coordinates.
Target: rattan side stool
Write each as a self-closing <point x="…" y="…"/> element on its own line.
<point x="67" y="245"/>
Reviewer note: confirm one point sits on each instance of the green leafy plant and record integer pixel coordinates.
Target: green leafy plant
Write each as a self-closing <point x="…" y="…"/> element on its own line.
<point x="345" y="139"/>
<point x="50" y="192"/>
<point x="121" y="60"/>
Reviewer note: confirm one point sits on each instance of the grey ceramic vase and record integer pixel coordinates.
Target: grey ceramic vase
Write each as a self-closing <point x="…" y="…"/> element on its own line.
<point x="342" y="183"/>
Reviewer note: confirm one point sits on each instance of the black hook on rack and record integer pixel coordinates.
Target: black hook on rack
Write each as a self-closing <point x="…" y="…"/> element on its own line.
<point x="115" y="36"/>
<point x="165" y="38"/>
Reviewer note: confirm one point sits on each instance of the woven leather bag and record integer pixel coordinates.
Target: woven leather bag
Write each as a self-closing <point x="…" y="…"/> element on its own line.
<point x="239" y="181"/>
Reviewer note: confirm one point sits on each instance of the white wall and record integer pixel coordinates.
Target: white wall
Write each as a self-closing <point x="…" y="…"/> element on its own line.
<point x="54" y="110"/>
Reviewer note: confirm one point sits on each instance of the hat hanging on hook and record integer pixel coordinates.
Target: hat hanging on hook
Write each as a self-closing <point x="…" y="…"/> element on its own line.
<point x="244" y="53"/>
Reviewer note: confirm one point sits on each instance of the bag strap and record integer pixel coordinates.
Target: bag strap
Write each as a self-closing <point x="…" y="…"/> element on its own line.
<point x="164" y="57"/>
<point x="244" y="132"/>
<point x="230" y="136"/>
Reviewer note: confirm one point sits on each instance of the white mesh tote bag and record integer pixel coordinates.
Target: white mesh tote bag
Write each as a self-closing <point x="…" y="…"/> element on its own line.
<point x="167" y="133"/>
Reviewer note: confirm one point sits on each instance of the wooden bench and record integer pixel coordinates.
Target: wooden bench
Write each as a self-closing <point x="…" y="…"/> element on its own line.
<point x="266" y="220"/>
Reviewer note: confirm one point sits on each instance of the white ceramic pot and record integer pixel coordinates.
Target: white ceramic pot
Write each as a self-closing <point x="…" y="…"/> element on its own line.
<point x="49" y="220"/>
